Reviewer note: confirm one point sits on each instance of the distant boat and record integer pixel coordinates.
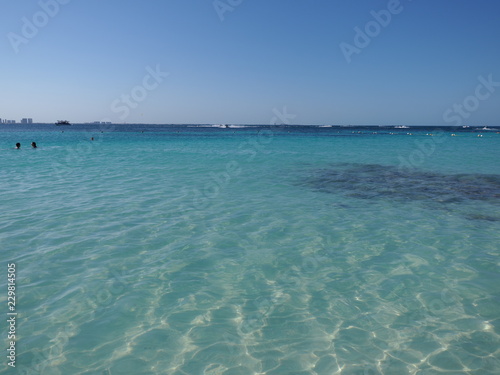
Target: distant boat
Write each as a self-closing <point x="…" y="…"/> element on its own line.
<point x="401" y="127"/>
<point x="62" y="122"/>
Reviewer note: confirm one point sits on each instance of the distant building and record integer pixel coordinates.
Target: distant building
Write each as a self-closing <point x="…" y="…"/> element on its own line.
<point x="27" y="121"/>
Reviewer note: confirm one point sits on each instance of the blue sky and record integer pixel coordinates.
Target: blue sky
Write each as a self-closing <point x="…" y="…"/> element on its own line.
<point x="238" y="61"/>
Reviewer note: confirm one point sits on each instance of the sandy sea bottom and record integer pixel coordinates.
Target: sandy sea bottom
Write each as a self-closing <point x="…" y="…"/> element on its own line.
<point x="252" y="252"/>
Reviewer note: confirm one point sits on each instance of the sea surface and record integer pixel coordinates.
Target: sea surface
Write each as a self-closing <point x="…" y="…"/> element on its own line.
<point x="251" y="250"/>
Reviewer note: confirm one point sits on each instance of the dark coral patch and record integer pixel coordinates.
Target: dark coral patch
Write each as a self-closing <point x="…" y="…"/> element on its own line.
<point x="372" y="181"/>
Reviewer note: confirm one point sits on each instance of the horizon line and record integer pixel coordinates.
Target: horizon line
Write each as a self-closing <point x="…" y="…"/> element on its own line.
<point x="244" y="124"/>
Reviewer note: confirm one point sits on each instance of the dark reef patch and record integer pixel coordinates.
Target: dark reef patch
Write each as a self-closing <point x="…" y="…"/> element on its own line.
<point x="373" y="181"/>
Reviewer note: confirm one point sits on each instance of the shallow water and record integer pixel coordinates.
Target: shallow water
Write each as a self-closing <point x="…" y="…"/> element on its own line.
<point x="157" y="250"/>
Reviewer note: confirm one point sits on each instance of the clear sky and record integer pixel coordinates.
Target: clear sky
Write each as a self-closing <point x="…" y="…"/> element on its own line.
<point x="241" y="61"/>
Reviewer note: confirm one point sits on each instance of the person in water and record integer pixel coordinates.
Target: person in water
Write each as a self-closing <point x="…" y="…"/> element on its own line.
<point x="33" y="144"/>
<point x="18" y="145"/>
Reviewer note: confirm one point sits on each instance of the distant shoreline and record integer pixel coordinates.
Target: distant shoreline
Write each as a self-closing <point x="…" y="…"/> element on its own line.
<point x="402" y="127"/>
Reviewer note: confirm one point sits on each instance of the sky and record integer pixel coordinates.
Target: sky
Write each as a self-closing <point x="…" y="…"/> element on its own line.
<point x="340" y="62"/>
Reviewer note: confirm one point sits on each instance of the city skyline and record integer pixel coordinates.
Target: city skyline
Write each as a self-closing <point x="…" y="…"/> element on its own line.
<point x="238" y="62"/>
<point x="24" y="120"/>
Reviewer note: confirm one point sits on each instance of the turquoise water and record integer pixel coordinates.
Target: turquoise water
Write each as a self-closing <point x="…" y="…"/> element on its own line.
<point x="197" y="250"/>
